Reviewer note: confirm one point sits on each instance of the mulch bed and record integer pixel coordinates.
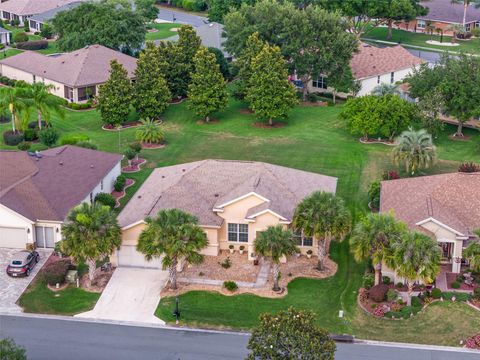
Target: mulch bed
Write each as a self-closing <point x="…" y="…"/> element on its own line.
<point x="452" y="277"/>
<point x="149" y="146"/>
<point x="460" y="138"/>
<point x="315" y="103"/>
<point x="135" y="166"/>
<point x="203" y="122"/>
<point x="120" y="194"/>
<point x="101" y="280"/>
<point x="125" y="125"/>
<point x="377" y="141"/>
<point x="246" y="111"/>
<point x="262" y="125"/>
<point x="176" y="101"/>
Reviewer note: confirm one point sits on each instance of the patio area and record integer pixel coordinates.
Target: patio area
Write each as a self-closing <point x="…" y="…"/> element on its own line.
<point x="466" y="281"/>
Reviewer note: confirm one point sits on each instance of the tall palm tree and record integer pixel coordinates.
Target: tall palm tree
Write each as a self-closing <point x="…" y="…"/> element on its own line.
<point x="472" y="253"/>
<point x="322" y="215"/>
<point x="90" y="233"/>
<point x="274" y="243"/>
<point x="415" y="149"/>
<point x="466" y="4"/>
<point x="416" y="257"/>
<point x="373" y="238"/>
<point x="44" y="103"/>
<point x="173" y="235"/>
<point x="385" y="89"/>
<point x="429" y="28"/>
<point x="12" y="99"/>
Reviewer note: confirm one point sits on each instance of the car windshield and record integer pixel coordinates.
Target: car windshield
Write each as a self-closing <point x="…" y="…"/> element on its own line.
<point x="16" y="262"/>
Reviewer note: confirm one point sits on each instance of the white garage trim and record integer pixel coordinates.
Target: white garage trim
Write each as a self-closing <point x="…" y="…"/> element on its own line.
<point x="128" y="256"/>
<point x="13" y="237"/>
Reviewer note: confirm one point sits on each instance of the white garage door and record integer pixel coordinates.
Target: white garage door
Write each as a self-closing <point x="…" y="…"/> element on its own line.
<point x="13" y="237"/>
<point x="129" y="256"/>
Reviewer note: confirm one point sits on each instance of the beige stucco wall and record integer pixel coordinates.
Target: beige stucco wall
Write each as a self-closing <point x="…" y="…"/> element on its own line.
<point x="10" y="219"/>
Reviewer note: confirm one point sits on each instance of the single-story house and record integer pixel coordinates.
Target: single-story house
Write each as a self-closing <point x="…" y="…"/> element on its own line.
<point x="22" y="10"/>
<point x="37" y="190"/>
<point x="5" y="36"/>
<point x="442" y="14"/>
<point x="37" y="21"/>
<point x="372" y="66"/>
<point x="445" y="207"/>
<point x="233" y="201"/>
<point x="75" y="76"/>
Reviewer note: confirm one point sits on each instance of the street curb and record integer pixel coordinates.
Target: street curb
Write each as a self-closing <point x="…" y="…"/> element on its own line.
<point x="417" y="346"/>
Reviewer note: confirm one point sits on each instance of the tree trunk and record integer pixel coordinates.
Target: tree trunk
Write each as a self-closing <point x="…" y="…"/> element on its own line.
<point x="322" y="252"/>
<point x="410" y="291"/>
<point x="378" y="273"/>
<point x="172" y="274"/>
<point x="276" y="273"/>
<point x="334" y="93"/>
<point x="207" y="119"/>
<point x="92" y="266"/>
<point x="39" y="120"/>
<point x="465" y="6"/>
<point x="270" y="122"/>
<point x="390" y="25"/>
<point x="459" y="129"/>
<point x="13" y="122"/>
<point x="305" y="79"/>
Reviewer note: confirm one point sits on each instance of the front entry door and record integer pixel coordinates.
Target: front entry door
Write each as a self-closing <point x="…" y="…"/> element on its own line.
<point x="44" y="237"/>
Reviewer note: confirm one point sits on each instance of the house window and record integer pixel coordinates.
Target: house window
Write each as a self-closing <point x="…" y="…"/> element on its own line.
<point x="68" y="93"/>
<point x="421" y="24"/>
<point x="468" y="27"/>
<point x="238" y="232"/>
<point x="477" y="24"/>
<point x="91" y="198"/>
<point x="320" y="83"/>
<point x="301" y="239"/>
<point x="101" y="185"/>
<point x="392" y="77"/>
<point x="85" y="93"/>
<point x="378" y="79"/>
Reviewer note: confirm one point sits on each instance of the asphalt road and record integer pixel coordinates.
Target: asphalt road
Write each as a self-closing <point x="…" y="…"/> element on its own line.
<point x="53" y="339"/>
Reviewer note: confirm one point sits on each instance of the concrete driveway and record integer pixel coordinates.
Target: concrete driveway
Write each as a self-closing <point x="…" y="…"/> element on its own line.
<point x="132" y="294"/>
<point x="12" y="288"/>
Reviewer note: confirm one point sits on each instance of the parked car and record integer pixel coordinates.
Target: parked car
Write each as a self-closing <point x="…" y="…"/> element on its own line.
<point x="23" y="263"/>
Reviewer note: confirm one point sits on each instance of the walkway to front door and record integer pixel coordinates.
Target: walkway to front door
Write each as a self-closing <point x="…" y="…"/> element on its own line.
<point x="132" y="294"/>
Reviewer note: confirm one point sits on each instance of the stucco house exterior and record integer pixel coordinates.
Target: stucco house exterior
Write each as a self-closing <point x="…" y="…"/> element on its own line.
<point x="75" y="76"/>
<point x="445" y="207"/>
<point x="442" y="14"/>
<point x="372" y="66"/>
<point x="5" y="36"/>
<point x="233" y="201"/>
<point x="22" y="10"/>
<point x="38" y="190"/>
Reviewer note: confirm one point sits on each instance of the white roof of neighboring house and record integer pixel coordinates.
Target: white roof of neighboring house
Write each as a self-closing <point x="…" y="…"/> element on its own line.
<point x="204" y="186"/>
<point x="87" y="66"/>
<point x="31" y="7"/>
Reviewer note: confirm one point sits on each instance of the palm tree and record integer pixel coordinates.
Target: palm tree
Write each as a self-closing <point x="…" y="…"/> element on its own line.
<point x="90" y="233"/>
<point x="466" y="4"/>
<point x="322" y="215"/>
<point x="415" y="257"/>
<point x="274" y="243"/>
<point x="385" y="89"/>
<point x="44" y="103"/>
<point x="12" y="99"/>
<point x="373" y="238"/>
<point x="173" y="235"/>
<point x="415" y="149"/>
<point x="429" y="27"/>
<point x="439" y="32"/>
<point x="472" y="253"/>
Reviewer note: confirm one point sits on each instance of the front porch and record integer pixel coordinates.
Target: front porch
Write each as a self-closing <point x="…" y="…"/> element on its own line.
<point x="467" y="282"/>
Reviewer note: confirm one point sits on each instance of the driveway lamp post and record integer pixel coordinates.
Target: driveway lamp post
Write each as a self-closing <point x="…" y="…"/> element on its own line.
<point x="176" y="313"/>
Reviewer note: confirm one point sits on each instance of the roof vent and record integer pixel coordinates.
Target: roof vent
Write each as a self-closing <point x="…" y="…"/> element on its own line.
<point x="60" y="163"/>
<point x="91" y="166"/>
<point x="216" y="195"/>
<point x="183" y="170"/>
<point x="139" y="196"/>
<point x="163" y="176"/>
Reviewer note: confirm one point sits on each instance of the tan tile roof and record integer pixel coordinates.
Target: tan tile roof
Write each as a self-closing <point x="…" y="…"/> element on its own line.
<point x="31" y="7"/>
<point x="86" y="66"/>
<point x="453" y="199"/>
<point x="199" y="187"/>
<point x="47" y="188"/>
<point x="373" y="61"/>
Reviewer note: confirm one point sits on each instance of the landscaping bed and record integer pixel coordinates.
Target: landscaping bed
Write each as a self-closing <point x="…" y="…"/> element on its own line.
<point x="118" y="195"/>
<point x="457" y="282"/>
<point x="125" y="125"/>
<point x="134" y="166"/>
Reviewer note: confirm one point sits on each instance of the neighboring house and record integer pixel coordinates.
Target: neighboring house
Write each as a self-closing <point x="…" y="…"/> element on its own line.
<point x="38" y="21"/>
<point x="442" y="14"/>
<point x="75" y="76"/>
<point x="233" y="201"/>
<point x="38" y="190"/>
<point x="22" y="10"/>
<point x="5" y="36"/>
<point x="372" y="66"/>
<point x="445" y="207"/>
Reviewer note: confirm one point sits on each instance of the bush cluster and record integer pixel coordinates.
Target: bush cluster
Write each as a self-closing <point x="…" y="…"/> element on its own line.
<point x="120" y="183"/>
<point x="86" y="145"/>
<point x="386" y="280"/>
<point x="230" y="285"/>
<point x="378" y="293"/>
<point x="82" y="106"/>
<point x="436" y="293"/>
<point x="7" y="81"/>
<point x="55" y="272"/>
<point x="20" y="37"/>
<point x="392" y="295"/>
<point x="72" y="139"/>
<point x="48" y="136"/>
<point x="24" y="146"/>
<point x="32" y="45"/>
<point x="191" y="5"/>
<point x="106" y="199"/>
<point x="368" y="281"/>
<point x="12" y="138"/>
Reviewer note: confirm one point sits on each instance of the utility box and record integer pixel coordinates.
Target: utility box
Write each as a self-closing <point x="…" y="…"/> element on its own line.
<point x="72" y="276"/>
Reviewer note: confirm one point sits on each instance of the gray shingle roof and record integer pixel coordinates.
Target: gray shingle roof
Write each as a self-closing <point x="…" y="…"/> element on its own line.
<point x="31" y="7"/>
<point x="201" y="186"/>
<point x="50" y="14"/>
<point x="445" y="11"/>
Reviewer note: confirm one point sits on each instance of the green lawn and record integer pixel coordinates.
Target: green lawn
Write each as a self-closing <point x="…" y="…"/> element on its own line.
<point x="418" y="39"/>
<point x="9" y="52"/>
<point x="163" y="31"/>
<point x="39" y="299"/>
<point x="16" y="30"/>
<point x="51" y="49"/>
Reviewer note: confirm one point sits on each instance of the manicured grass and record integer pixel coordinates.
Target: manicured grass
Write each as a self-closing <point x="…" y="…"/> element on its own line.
<point x="163" y="31"/>
<point x="16" y="30"/>
<point x="39" y="299"/>
<point x="9" y="52"/>
<point x="419" y="39"/>
<point x="51" y="49"/>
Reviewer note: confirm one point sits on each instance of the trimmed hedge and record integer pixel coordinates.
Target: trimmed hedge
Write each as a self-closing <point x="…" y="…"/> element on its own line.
<point x="12" y="138"/>
<point x="20" y="37"/>
<point x="436" y="293"/>
<point x="120" y="183"/>
<point x="32" y="45"/>
<point x="72" y="139"/>
<point x="24" y="146"/>
<point x="378" y="293"/>
<point x="48" y="136"/>
<point x="106" y="199"/>
<point x="230" y="285"/>
<point x="82" y="106"/>
<point x="86" y="145"/>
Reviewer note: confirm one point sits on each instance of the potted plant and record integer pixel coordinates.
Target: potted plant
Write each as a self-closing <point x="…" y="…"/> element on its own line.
<point x="309" y="253"/>
<point x="241" y="249"/>
<point x="232" y="248"/>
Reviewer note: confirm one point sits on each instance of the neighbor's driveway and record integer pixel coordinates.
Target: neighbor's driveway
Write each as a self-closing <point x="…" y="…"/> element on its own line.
<point x="132" y="294"/>
<point x="12" y="288"/>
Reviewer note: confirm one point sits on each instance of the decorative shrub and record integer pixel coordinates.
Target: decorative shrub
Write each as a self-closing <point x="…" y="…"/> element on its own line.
<point x="30" y="135"/>
<point x="473" y="342"/>
<point x="386" y="280"/>
<point x="130" y="154"/>
<point x="7" y="81"/>
<point x="81" y="106"/>
<point x="459" y="296"/>
<point x="86" y="145"/>
<point x="20" y="37"/>
<point x="390" y="175"/>
<point x="106" y="199"/>
<point x="72" y="139"/>
<point x="476" y="293"/>
<point x="368" y="281"/>
<point x="436" y="293"/>
<point x="392" y="295"/>
<point x="5" y="118"/>
<point x="374" y="194"/>
<point x="475" y="32"/>
<point x="47" y="31"/>
<point x="455" y="285"/>
<point x="55" y="272"/>
<point x="136" y="146"/>
<point x="226" y="264"/>
<point x="12" y="138"/>
<point x="399" y="285"/>
<point x="34" y="124"/>
<point x="363" y="294"/>
<point x="48" y="136"/>
<point x="416" y="302"/>
<point x="230" y="285"/>
<point x="150" y="132"/>
<point x="24" y="146"/>
<point x="379" y="311"/>
<point x="312" y="97"/>
<point x="32" y="45"/>
<point x="120" y="183"/>
<point x="378" y="293"/>
<point x="469" y="167"/>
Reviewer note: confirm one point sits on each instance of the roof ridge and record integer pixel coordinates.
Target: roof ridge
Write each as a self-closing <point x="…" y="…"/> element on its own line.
<point x="82" y="65"/>
<point x="281" y="182"/>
